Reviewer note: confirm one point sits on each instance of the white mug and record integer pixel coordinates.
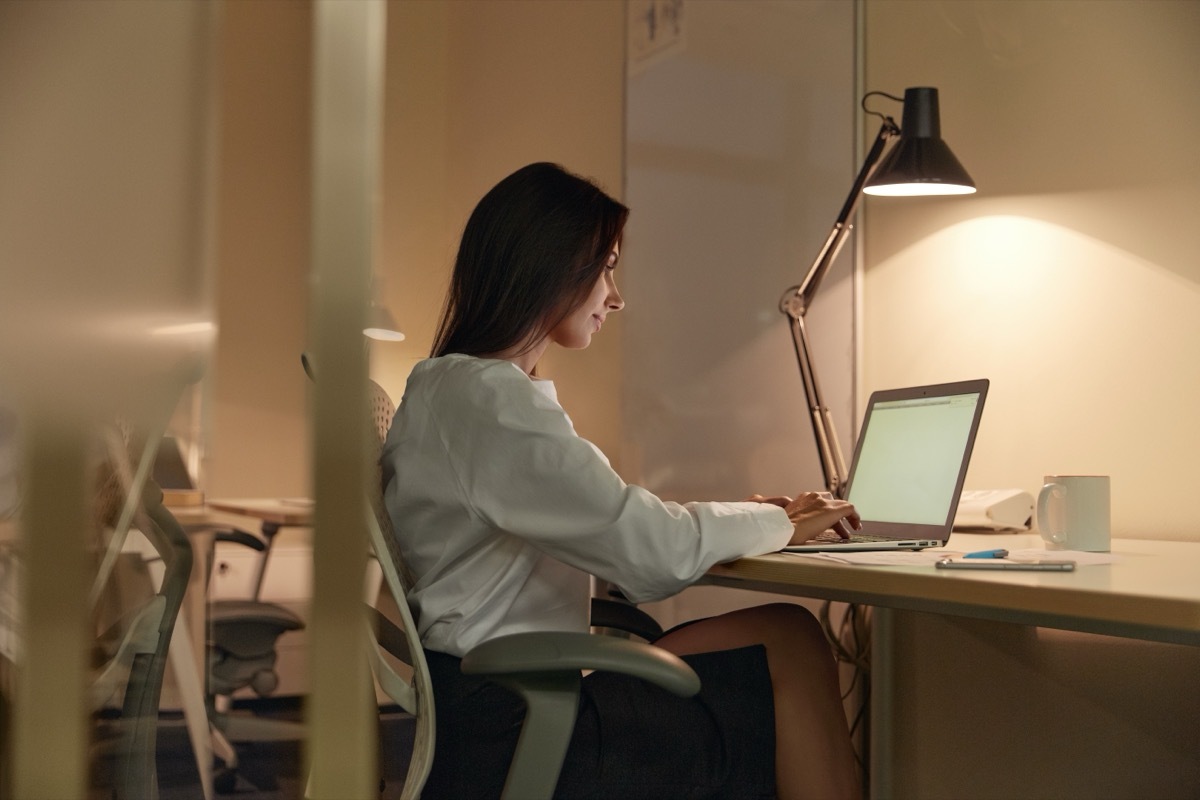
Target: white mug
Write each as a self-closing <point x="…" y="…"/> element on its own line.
<point x="1074" y="512"/>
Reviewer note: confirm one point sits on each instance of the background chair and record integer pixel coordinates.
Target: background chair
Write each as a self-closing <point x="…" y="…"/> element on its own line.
<point x="131" y="657"/>
<point x="241" y="652"/>
<point x="544" y="669"/>
<point x="243" y="633"/>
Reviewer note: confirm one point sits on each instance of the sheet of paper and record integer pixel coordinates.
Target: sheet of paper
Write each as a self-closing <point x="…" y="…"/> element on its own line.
<point x="1080" y="557"/>
<point x="917" y="558"/>
<point x="881" y="558"/>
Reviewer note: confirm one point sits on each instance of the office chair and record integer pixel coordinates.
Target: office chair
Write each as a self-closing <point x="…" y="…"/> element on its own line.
<point x="132" y="655"/>
<point x="544" y="669"/>
<point x="243" y="633"/>
<point x="241" y="652"/>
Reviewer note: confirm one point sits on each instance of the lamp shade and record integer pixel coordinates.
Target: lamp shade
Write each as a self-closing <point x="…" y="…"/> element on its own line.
<point x="382" y="325"/>
<point x="920" y="163"/>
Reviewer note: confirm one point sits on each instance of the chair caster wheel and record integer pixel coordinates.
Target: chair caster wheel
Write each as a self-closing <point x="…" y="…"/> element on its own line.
<point x="225" y="781"/>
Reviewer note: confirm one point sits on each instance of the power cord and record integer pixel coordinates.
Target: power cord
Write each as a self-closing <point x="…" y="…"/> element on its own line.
<point x="851" y="643"/>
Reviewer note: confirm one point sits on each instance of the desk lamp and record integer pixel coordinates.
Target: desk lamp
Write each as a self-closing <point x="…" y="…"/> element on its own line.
<point x="381" y="325"/>
<point x="919" y="164"/>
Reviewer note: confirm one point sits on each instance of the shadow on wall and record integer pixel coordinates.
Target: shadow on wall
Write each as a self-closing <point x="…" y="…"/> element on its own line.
<point x="1095" y="704"/>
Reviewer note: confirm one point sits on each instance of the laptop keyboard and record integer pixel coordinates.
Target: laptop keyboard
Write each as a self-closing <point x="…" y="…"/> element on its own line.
<point x="829" y="537"/>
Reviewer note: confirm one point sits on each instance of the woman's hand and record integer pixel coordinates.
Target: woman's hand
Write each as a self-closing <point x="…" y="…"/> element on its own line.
<point x="781" y="501"/>
<point x="813" y="513"/>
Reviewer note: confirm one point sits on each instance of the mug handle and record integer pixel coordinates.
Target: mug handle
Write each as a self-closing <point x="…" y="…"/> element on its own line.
<point x="1058" y="491"/>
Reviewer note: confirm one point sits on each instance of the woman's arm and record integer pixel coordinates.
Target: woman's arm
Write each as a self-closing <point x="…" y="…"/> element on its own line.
<point x="522" y="468"/>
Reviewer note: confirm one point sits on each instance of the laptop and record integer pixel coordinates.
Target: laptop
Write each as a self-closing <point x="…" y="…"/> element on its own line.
<point x="169" y="471"/>
<point x="172" y="476"/>
<point x="909" y="466"/>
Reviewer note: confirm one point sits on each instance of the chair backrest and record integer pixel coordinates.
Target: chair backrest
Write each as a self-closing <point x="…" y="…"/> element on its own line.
<point x="411" y="689"/>
<point x="139" y="659"/>
<point x="137" y="773"/>
<point x="413" y="693"/>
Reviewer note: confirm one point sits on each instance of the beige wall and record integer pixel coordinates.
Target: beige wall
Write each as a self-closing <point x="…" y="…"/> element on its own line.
<point x="739" y="153"/>
<point x="259" y="433"/>
<point x="417" y="239"/>
<point x="475" y="91"/>
<point x="740" y="150"/>
<point x="1071" y="280"/>
<point x="1004" y="712"/>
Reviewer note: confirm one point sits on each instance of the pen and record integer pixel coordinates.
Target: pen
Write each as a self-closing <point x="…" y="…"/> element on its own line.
<point x="1000" y="553"/>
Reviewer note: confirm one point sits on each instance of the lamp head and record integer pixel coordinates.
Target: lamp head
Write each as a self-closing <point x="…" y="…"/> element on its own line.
<point x="920" y="163"/>
<point x="382" y="325"/>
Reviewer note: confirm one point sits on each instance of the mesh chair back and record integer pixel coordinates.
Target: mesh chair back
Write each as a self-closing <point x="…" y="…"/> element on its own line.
<point x="414" y="694"/>
<point x="412" y="691"/>
<point x="139" y="658"/>
<point x="382" y="410"/>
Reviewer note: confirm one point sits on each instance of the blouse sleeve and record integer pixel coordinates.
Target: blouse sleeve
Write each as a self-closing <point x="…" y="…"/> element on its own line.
<point x="522" y="468"/>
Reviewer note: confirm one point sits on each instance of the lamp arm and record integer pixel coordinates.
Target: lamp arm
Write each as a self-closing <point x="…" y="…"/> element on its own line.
<point x="795" y="304"/>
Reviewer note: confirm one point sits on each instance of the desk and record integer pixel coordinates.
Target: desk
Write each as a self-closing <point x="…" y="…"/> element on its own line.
<point x="280" y="513"/>
<point x="273" y="514"/>
<point x="188" y="644"/>
<point x="1150" y="593"/>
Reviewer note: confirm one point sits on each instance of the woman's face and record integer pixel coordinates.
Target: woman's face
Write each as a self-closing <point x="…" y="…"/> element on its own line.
<point x="576" y="329"/>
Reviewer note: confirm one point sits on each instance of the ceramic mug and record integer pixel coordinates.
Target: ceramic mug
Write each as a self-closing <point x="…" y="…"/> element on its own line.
<point x="1074" y="512"/>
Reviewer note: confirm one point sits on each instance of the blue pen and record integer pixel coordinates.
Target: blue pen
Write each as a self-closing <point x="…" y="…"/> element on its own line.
<point x="1000" y="553"/>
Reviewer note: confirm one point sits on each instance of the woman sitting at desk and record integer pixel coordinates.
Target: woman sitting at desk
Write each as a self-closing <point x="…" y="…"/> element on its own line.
<point x="502" y="512"/>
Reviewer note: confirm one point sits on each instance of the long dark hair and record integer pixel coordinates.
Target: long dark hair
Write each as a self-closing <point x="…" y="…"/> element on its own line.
<point x="532" y="250"/>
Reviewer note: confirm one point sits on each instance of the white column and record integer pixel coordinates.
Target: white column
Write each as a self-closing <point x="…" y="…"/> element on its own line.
<point x="347" y="136"/>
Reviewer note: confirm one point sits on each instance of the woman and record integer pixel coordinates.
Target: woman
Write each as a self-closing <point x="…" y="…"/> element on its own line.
<point x="502" y="512"/>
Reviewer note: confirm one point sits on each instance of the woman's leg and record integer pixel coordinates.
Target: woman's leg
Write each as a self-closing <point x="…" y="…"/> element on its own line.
<point x="813" y="754"/>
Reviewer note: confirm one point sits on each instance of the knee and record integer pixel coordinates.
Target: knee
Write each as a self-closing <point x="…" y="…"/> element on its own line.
<point x="789" y="614"/>
<point x="792" y="622"/>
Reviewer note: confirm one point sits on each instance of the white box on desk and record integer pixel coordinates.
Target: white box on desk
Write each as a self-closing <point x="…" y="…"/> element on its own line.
<point x="994" y="510"/>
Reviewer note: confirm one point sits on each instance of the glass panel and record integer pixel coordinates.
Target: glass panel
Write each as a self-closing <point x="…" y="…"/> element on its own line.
<point x="740" y="151"/>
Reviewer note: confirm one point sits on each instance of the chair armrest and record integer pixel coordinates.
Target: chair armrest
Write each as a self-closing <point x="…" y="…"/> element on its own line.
<point x="239" y="536"/>
<point x="621" y="615"/>
<point x="543" y="668"/>
<point x="526" y="653"/>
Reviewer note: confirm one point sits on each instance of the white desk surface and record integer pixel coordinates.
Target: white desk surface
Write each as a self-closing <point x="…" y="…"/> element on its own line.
<point x="1152" y="591"/>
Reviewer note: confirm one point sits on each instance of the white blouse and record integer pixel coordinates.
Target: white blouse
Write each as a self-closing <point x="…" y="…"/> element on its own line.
<point x="502" y="511"/>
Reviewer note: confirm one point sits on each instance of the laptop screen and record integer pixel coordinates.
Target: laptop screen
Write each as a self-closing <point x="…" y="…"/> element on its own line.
<point x="169" y="470"/>
<point x="913" y="453"/>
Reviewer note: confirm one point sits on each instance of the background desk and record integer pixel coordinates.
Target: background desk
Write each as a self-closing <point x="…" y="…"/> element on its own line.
<point x="1152" y="593"/>
<point x="188" y="646"/>
<point x="278" y="512"/>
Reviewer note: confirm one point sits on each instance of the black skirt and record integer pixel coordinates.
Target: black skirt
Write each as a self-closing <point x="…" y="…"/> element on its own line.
<point x="631" y="740"/>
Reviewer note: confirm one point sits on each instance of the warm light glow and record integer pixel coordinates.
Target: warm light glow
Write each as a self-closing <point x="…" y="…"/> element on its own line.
<point x="185" y="329"/>
<point x="382" y="325"/>
<point x="918" y="189"/>
<point x="383" y="334"/>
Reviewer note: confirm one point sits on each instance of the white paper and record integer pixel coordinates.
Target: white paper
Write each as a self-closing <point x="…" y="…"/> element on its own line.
<point x="910" y="558"/>
<point x="882" y="558"/>
<point x="1080" y="557"/>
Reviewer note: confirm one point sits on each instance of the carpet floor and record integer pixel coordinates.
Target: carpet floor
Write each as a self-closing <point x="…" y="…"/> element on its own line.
<point x="269" y="770"/>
